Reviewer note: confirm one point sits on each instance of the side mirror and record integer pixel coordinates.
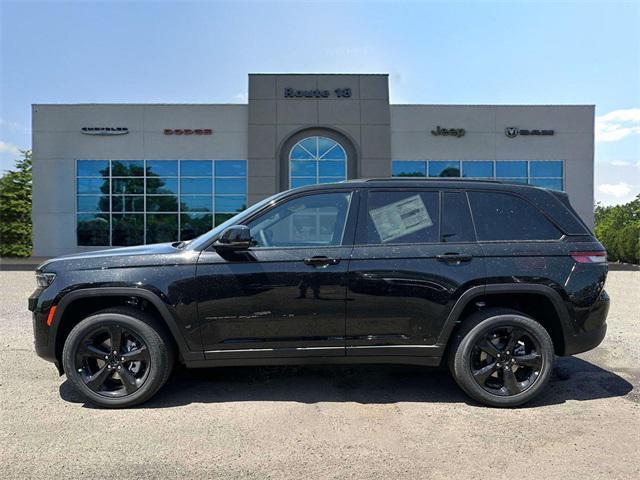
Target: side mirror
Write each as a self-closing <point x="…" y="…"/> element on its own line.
<point x="236" y="237"/>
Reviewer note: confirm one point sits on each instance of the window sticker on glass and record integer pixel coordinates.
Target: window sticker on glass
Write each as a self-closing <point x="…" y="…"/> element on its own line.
<point x="400" y="218"/>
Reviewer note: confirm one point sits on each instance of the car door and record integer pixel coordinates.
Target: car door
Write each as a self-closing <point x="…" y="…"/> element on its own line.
<point x="284" y="296"/>
<point x="415" y="254"/>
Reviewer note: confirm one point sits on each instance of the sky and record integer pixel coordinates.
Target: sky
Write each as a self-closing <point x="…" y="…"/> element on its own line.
<point x="434" y="52"/>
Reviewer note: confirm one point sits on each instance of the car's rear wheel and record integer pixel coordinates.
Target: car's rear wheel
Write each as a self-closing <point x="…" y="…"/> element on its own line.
<point x="117" y="357"/>
<point x="501" y="357"/>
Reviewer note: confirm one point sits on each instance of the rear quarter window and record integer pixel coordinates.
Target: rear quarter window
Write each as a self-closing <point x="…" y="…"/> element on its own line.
<point x="502" y="216"/>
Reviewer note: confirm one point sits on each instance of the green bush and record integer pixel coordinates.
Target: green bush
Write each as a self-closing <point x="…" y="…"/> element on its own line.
<point x="618" y="229"/>
<point x="15" y="209"/>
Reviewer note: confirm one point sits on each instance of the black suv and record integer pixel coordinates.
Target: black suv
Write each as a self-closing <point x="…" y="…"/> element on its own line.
<point x="492" y="278"/>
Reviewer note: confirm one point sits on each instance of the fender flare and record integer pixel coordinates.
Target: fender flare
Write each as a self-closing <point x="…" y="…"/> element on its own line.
<point x="167" y="316"/>
<point x="482" y="290"/>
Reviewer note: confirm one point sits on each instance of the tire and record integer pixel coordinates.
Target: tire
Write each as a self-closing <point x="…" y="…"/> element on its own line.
<point x="141" y="366"/>
<point x="484" y="352"/>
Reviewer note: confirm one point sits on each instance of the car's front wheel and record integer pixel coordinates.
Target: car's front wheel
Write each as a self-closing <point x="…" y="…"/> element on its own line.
<point x="501" y="357"/>
<point x="117" y="357"/>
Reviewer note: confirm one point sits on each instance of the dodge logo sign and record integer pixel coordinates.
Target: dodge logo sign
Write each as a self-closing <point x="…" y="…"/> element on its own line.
<point x="513" y="132"/>
<point x="188" y="131"/>
<point x="105" y="131"/>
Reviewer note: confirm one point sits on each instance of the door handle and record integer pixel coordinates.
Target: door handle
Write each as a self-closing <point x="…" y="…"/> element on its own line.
<point x="321" y="261"/>
<point x="452" y="257"/>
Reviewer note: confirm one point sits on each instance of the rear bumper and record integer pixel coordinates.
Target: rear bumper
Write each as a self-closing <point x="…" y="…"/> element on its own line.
<point x="593" y="329"/>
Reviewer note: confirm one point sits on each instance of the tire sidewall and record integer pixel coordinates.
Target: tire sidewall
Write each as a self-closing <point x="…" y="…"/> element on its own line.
<point x="462" y="365"/>
<point x="147" y="334"/>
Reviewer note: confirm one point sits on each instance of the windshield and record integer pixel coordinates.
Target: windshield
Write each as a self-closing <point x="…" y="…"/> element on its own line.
<point x="198" y="242"/>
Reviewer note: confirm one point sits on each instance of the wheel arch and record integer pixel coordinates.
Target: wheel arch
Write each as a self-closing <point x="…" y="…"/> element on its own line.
<point x="543" y="303"/>
<point x="88" y="301"/>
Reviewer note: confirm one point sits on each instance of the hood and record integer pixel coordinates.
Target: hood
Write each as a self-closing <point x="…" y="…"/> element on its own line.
<point x="141" y="255"/>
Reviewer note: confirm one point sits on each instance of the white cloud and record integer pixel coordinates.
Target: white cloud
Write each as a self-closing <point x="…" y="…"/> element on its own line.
<point x="617" y="190"/>
<point x="620" y="163"/>
<point x="618" y="124"/>
<point x="9" y="148"/>
<point x="241" y="97"/>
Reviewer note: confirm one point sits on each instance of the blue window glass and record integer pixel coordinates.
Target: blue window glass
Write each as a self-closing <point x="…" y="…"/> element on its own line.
<point x="299" y="153"/>
<point x="200" y="203"/>
<point x="231" y="185"/>
<point x="127" y="168"/>
<point x="162" y="228"/>
<point x="127" y="203"/>
<point x="228" y="204"/>
<point x="514" y="180"/>
<point x="231" y="168"/>
<point x="444" y="168"/>
<point x="162" y="168"/>
<point x="195" y="186"/>
<point x="196" y="168"/>
<point x="331" y="179"/>
<point x="310" y="145"/>
<point x="511" y="169"/>
<point x="408" y="168"/>
<point x="93" y="185"/>
<point x="477" y="169"/>
<point x="93" y="230"/>
<point x="127" y="186"/>
<point x="128" y="229"/>
<point x="93" y="168"/>
<point x="545" y="169"/>
<point x="93" y="203"/>
<point x="303" y="169"/>
<point x="552" y="183"/>
<point x="302" y="181"/>
<point x="194" y="224"/>
<point x="331" y="168"/>
<point x="162" y="203"/>
<point x="318" y="159"/>
<point x="158" y="185"/>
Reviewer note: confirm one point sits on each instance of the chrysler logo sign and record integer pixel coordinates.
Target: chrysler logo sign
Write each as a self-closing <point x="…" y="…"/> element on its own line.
<point x="105" y="131"/>
<point x="513" y="132"/>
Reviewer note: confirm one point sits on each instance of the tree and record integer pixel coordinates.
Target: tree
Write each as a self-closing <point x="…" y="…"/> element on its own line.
<point x="15" y="209"/>
<point x="618" y="229"/>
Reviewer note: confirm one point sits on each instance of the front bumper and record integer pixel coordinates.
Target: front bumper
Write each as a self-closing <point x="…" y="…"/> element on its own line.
<point x="593" y="329"/>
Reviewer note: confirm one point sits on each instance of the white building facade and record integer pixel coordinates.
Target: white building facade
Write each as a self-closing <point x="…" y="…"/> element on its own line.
<point x="107" y="175"/>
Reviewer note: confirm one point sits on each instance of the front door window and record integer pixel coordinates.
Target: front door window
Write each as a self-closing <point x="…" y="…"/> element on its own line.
<point x="308" y="221"/>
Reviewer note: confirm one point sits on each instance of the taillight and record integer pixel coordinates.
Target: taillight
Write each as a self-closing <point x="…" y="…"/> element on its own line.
<point x="589" y="257"/>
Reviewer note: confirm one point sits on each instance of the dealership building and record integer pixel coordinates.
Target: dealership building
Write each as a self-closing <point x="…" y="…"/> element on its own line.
<point x="127" y="174"/>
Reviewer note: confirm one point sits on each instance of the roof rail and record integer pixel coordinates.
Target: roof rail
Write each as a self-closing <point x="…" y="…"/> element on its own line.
<point x="430" y="179"/>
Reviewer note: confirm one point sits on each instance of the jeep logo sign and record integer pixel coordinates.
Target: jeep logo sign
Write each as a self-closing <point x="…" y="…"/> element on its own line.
<point x="513" y="132"/>
<point x="451" y="132"/>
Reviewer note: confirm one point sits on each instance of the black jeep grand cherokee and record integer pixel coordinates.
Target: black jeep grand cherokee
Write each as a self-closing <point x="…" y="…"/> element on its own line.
<point x="494" y="279"/>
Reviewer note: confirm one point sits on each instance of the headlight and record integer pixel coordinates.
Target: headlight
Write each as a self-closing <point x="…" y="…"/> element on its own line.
<point x="45" y="279"/>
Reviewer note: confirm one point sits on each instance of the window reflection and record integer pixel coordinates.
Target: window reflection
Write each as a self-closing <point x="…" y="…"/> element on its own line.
<point x="317" y="160"/>
<point x="129" y="202"/>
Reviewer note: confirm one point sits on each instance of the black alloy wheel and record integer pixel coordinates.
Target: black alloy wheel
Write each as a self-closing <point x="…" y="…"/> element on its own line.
<point x="506" y="360"/>
<point x="118" y="357"/>
<point x="501" y="357"/>
<point x="112" y="361"/>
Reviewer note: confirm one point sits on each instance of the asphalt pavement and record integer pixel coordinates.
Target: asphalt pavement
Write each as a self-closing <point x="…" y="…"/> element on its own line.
<point x="334" y="422"/>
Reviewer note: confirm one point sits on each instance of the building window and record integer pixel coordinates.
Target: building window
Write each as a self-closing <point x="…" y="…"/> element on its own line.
<point x="541" y="173"/>
<point x="317" y="160"/>
<point x="132" y="202"/>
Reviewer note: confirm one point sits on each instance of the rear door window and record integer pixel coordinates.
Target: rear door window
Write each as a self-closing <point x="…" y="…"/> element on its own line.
<point x="402" y="217"/>
<point x="456" y="219"/>
<point x="501" y="216"/>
